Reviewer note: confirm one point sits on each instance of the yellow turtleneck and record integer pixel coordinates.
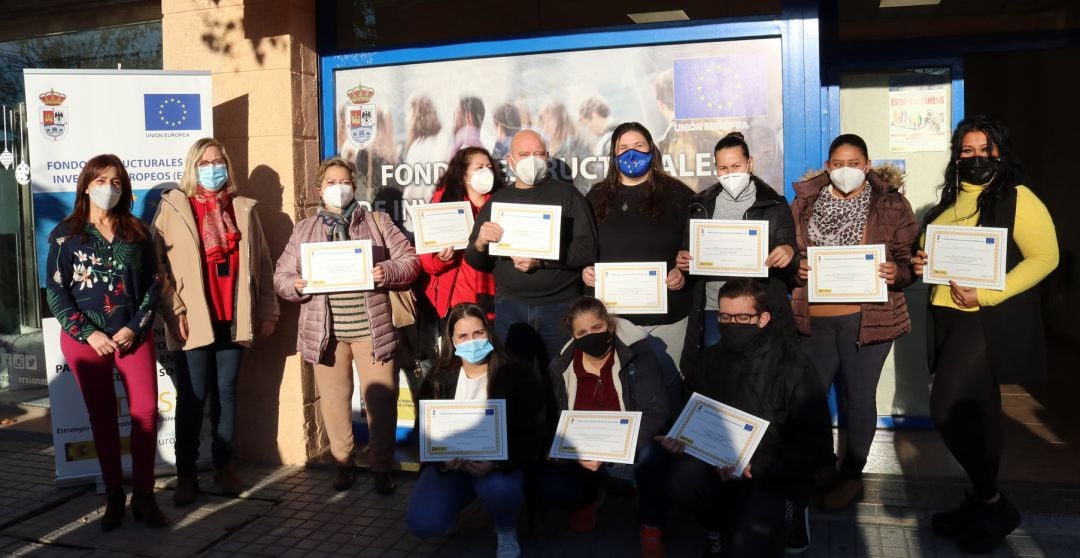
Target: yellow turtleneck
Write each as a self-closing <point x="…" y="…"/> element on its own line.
<point x="1032" y="230"/>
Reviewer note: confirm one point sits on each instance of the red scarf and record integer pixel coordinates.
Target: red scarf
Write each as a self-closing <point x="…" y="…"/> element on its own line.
<point x="219" y="233"/>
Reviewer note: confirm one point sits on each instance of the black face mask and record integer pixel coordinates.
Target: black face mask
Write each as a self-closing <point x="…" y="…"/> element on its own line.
<point x="594" y="344"/>
<point x="738" y="338"/>
<point x="977" y="170"/>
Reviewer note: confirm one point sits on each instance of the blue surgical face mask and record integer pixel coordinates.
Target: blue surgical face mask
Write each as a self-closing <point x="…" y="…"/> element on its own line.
<point x="634" y="163"/>
<point x="474" y="351"/>
<point x="213" y="177"/>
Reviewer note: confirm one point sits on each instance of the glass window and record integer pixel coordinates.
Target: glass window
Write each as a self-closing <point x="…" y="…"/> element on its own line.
<point x="22" y="352"/>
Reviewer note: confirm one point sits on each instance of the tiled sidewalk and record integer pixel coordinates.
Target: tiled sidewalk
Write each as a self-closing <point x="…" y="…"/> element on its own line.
<point x="293" y="512"/>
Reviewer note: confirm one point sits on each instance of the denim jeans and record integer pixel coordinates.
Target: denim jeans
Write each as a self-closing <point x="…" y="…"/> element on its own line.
<point x="206" y="373"/>
<point x="439" y="497"/>
<point x="532" y="332"/>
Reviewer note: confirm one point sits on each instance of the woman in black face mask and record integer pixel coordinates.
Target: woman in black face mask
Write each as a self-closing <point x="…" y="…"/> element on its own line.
<point x="608" y="368"/>
<point x="982" y="338"/>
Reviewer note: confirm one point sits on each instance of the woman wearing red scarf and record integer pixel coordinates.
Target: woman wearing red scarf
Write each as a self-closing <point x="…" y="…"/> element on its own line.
<point x="217" y="294"/>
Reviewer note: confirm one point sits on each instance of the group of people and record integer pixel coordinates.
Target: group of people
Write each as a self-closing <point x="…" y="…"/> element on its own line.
<point x="527" y="331"/>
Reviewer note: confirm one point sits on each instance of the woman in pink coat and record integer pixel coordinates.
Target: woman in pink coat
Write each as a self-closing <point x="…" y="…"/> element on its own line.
<point x="339" y="330"/>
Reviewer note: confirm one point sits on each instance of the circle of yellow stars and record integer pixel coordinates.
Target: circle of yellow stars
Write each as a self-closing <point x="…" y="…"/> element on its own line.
<point x="172" y="101"/>
<point x="724" y="69"/>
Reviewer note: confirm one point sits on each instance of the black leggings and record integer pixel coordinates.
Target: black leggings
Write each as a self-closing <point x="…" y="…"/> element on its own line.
<point x="965" y="401"/>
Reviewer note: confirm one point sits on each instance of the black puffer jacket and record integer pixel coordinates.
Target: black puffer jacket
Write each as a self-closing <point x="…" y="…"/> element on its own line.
<point x="775" y="381"/>
<point x="769" y="206"/>
<point x="640" y="385"/>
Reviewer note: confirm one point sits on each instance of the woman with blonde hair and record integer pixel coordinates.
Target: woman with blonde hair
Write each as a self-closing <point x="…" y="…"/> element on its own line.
<point x="339" y="330"/>
<point x="217" y="295"/>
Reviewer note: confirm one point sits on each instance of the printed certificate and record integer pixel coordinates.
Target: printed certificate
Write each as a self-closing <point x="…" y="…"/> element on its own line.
<point x="729" y="248"/>
<point x="441" y="225"/>
<point x="971" y="256"/>
<point x="473" y="430"/>
<point x="632" y="288"/>
<point x="843" y="274"/>
<point x="597" y="436"/>
<point x="529" y="231"/>
<point x="718" y="434"/>
<point x="333" y="267"/>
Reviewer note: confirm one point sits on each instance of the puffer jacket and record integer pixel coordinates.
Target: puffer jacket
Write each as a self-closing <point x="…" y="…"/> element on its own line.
<point x="394" y="253"/>
<point x="891" y="222"/>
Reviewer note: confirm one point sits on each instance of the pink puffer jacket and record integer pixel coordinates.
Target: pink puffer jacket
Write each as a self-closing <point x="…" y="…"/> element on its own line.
<point x="394" y="253"/>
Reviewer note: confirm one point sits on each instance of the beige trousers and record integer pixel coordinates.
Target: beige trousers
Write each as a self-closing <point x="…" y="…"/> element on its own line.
<point x="379" y="390"/>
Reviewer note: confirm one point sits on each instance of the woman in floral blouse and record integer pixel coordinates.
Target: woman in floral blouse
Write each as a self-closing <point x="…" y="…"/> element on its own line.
<point x="103" y="288"/>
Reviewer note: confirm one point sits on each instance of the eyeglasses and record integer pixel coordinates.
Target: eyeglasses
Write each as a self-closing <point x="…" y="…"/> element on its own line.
<point x="737" y="318"/>
<point x="204" y="164"/>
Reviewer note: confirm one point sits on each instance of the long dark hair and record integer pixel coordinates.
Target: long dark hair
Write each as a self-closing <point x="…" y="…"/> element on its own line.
<point x="125" y="225"/>
<point x="654" y="187"/>
<point x="448" y="362"/>
<point x="452" y="182"/>
<point x="1009" y="175"/>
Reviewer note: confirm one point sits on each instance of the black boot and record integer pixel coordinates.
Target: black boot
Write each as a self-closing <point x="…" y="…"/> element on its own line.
<point x="951" y="523"/>
<point x="343" y="477"/>
<point x="115" y="498"/>
<point x="187" y="486"/>
<point x="384" y="483"/>
<point x="989" y="525"/>
<point x="144" y="507"/>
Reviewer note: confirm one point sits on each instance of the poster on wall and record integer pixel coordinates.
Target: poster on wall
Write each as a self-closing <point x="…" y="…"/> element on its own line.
<point x="148" y="119"/>
<point x="919" y="112"/>
<point x="402" y="123"/>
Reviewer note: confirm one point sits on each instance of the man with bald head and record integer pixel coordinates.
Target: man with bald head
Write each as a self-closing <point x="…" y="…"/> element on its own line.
<point x="532" y="295"/>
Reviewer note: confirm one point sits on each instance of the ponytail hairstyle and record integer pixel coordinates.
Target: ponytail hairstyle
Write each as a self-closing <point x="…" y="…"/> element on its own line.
<point x="655" y="187"/>
<point x="1009" y="175"/>
<point x="587" y="305"/>
<point x="733" y="139"/>
<point x="447" y="361"/>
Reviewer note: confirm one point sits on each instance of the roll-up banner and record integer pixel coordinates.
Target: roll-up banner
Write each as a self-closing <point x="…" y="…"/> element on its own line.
<point x="148" y="119"/>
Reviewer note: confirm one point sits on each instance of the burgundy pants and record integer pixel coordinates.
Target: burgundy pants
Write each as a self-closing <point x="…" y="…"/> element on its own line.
<point x="138" y="372"/>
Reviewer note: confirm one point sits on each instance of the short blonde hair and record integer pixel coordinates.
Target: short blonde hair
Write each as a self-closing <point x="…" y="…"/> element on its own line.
<point x="337" y="161"/>
<point x="190" y="180"/>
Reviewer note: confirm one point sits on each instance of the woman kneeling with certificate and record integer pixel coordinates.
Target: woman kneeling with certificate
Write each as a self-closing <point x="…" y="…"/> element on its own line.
<point x="473" y="367"/>
<point x="602" y="369"/>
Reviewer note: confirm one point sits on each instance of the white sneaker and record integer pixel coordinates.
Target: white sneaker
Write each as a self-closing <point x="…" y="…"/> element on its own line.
<point x="507" y="544"/>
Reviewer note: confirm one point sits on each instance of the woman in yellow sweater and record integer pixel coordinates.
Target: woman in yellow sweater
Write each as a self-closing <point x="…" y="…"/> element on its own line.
<point x="982" y="338"/>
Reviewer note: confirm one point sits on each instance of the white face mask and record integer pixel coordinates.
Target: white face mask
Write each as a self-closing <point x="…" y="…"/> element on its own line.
<point x="482" y="180"/>
<point x="337" y="196"/>
<point x="847" y="179"/>
<point x="531" y="169"/>
<point x="735" y="182"/>
<point x="104" y="196"/>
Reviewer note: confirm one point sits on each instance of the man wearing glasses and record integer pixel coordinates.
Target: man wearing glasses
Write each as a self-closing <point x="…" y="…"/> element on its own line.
<point x="754" y="370"/>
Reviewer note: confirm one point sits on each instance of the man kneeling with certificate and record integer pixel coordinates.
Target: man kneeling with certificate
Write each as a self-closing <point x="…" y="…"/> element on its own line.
<point x="753" y="371"/>
<point x="473" y="371"/>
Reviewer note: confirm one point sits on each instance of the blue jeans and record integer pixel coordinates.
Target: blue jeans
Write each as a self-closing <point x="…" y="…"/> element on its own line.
<point x="712" y="329"/>
<point x="532" y="332"/>
<point x="438" y="498"/>
<point x="208" y="372"/>
<point x="567" y="485"/>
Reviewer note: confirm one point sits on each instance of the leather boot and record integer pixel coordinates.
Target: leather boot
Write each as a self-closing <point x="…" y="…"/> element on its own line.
<point x="115" y="498"/>
<point x="187" y="486"/>
<point x="343" y="477"/>
<point x="384" y="483"/>
<point x="144" y="507"/>
<point x="230" y="483"/>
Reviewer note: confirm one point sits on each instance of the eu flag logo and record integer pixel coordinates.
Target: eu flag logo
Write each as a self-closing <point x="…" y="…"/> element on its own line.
<point x="624" y="421"/>
<point x="172" y="111"/>
<point x="989" y="240"/>
<point x="869" y="257"/>
<point x="719" y="86"/>
<point x="489" y="412"/>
